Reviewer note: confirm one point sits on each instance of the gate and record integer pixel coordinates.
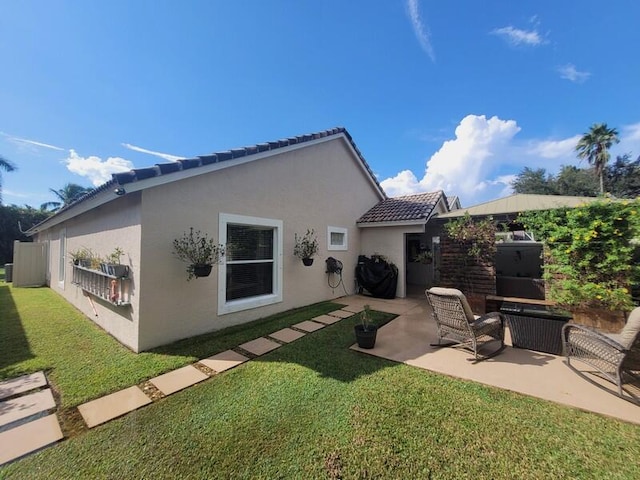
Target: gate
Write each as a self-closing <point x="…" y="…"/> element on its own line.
<point x="29" y="264"/>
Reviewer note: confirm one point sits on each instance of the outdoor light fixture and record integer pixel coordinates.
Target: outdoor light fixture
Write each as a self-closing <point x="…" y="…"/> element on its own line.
<point x="119" y="191"/>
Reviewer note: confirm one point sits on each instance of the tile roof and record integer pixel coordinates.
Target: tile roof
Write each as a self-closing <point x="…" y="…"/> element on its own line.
<point x="407" y="208"/>
<point x="162" y="169"/>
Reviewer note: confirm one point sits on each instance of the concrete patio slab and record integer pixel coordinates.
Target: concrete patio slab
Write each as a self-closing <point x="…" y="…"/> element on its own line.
<point x="25" y="406"/>
<point x="112" y="406"/>
<point x="260" y="346"/>
<point x="287" y="335"/>
<point x="309" y="326"/>
<point x="353" y="308"/>
<point x="224" y="360"/>
<point x="179" y="379"/>
<point x="397" y="306"/>
<point x="22" y="384"/>
<point x="407" y="339"/>
<point x="29" y="437"/>
<point x="341" y="313"/>
<point x="326" y="319"/>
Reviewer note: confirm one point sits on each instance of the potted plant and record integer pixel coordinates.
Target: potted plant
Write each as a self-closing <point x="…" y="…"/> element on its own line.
<point x="81" y="257"/>
<point x="472" y="244"/>
<point x="113" y="265"/>
<point x="199" y="251"/>
<point x="306" y="247"/>
<point x="366" y="331"/>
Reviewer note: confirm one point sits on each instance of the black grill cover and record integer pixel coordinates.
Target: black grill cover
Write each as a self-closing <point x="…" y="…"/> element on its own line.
<point x="378" y="277"/>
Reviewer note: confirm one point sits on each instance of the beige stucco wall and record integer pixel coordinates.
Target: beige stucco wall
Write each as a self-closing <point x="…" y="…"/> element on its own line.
<point x="390" y="242"/>
<point x="313" y="187"/>
<point x="101" y="230"/>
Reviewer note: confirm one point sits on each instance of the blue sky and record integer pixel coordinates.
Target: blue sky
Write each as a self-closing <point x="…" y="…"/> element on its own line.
<point x="455" y="95"/>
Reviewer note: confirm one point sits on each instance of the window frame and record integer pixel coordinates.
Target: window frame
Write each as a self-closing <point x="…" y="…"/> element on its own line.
<point x="237" y="305"/>
<point x="345" y="244"/>
<point x="62" y="250"/>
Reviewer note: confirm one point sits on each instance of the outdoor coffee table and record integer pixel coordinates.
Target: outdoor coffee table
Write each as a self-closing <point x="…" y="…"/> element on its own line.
<point x="535" y="327"/>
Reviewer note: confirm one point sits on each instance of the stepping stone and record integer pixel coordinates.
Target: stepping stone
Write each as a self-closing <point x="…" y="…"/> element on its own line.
<point x="326" y="319"/>
<point x="22" y="384"/>
<point x="179" y="379"/>
<point x="287" y="335"/>
<point x="25" y="406"/>
<point x="341" y="313"/>
<point x="353" y="308"/>
<point x="259" y="346"/>
<point x="112" y="406"/>
<point x="29" y="437"/>
<point x="224" y="361"/>
<point x="309" y="326"/>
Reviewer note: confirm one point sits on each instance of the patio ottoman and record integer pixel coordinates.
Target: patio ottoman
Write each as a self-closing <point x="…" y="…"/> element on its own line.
<point x="535" y="327"/>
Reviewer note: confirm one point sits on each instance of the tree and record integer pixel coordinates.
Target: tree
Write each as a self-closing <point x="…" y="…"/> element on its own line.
<point x="534" y="181"/>
<point x="594" y="146"/>
<point x="7" y="166"/>
<point x="622" y="179"/>
<point x="576" y="181"/>
<point x="67" y="195"/>
<point x="14" y="220"/>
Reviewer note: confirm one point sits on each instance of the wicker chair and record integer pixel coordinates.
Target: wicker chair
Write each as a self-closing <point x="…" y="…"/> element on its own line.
<point x="457" y="323"/>
<point x="614" y="355"/>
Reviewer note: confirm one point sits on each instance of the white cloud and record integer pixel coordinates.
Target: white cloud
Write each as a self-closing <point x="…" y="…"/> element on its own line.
<point x="631" y="132"/>
<point x="419" y="29"/>
<point x="461" y="165"/>
<point x="23" y="141"/>
<point x="516" y="36"/>
<point x="554" y="149"/>
<point x="166" y="156"/>
<point x="94" y="168"/>
<point x="571" y="73"/>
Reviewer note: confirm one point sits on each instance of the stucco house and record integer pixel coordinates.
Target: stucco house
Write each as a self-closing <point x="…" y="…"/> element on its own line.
<point x="317" y="181"/>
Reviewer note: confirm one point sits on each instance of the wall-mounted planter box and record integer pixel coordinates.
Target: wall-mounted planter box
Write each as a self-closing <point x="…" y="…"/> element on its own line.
<point x="111" y="288"/>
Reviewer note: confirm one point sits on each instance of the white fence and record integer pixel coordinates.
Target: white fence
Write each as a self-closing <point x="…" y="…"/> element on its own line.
<point x="29" y="264"/>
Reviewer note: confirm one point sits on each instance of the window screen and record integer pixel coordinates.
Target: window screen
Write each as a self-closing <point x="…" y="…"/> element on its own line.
<point x="250" y="261"/>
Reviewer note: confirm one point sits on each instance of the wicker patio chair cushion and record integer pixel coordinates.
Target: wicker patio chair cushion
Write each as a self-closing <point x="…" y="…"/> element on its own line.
<point x="454" y="292"/>
<point x="631" y="329"/>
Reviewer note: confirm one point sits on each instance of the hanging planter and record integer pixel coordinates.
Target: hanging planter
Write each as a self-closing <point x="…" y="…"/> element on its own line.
<point x="306" y="247"/>
<point x="201" y="270"/>
<point x="199" y="251"/>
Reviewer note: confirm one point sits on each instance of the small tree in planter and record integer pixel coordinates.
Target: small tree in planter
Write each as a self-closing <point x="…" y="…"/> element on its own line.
<point x="81" y="257"/>
<point x="306" y="247"/>
<point x="475" y="242"/>
<point x="199" y="251"/>
<point x="113" y="265"/>
<point x="366" y="331"/>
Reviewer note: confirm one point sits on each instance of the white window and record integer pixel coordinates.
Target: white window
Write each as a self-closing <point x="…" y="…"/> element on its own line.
<point x="63" y="256"/>
<point x="251" y="273"/>
<point x="337" y="238"/>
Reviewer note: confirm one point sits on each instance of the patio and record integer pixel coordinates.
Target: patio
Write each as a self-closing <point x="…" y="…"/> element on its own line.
<point x="406" y="339"/>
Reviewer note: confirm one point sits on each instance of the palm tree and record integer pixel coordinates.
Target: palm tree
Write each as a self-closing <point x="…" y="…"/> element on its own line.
<point x="67" y="195"/>
<point x="594" y="146"/>
<point x="7" y="166"/>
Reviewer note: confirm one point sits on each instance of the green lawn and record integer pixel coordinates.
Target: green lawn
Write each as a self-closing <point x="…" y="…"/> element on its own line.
<point x="40" y="331"/>
<point x="316" y="409"/>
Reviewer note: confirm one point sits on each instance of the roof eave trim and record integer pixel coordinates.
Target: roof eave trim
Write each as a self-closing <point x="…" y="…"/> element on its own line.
<point x="401" y="223"/>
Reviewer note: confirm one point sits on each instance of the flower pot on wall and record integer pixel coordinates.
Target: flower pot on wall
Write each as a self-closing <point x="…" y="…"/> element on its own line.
<point x="307" y="262"/>
<point x="202" y="270"/>
<point x="118" y="270"/>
